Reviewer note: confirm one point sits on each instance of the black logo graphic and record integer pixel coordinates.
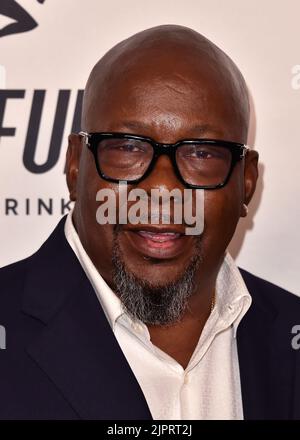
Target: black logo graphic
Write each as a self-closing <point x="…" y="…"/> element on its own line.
<point x="24" y="22"/>
<point x="33" y="129"/>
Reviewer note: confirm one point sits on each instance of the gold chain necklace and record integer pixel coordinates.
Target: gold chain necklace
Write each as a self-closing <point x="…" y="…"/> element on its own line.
<point x="213" y="302"/>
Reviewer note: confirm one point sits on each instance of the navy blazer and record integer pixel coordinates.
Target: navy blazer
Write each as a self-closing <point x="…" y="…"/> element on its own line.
<point x="62" y="360"/>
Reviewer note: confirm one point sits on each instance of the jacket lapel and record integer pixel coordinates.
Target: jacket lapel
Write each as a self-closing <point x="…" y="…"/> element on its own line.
<point x="77" y="348"/>
<point x="266" y="360"/>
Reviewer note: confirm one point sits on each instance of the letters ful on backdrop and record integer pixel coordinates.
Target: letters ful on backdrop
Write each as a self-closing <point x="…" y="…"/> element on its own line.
<point x="47" y="49"/>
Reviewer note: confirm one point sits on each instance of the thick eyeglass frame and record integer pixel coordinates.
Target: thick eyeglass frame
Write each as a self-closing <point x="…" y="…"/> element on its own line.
<point x="238" y="152"/>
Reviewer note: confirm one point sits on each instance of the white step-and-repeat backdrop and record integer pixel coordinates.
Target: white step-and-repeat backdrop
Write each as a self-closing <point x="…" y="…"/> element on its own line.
<point x="47" y="49"/>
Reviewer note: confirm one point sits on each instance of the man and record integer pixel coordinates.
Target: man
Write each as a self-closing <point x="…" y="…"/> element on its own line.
<point x="133" y="321"/>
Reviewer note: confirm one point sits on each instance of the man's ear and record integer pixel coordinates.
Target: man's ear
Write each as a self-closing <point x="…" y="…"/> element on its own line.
<point x="250" y="179"/>
<point x="72" y="163"/>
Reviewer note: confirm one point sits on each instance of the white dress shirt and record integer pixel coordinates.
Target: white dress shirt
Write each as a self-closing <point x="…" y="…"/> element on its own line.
<point x="209" y="388"/>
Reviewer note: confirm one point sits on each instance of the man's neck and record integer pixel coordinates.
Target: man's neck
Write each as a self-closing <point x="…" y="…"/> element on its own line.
<point x="180" y="339"/>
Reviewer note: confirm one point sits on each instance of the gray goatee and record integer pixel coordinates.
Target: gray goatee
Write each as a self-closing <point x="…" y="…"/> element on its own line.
<point x="150" y="303"/>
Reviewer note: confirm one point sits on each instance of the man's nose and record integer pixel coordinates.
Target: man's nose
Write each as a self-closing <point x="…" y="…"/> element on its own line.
<point x="162" y="176"/>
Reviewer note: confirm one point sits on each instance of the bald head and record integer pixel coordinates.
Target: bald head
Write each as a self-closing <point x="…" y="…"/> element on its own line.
<point x="168" y="57"/>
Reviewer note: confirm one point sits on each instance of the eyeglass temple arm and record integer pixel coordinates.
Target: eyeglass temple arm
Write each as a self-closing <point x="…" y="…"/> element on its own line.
<point x="246" y="148"/>
<point x="85" y="136"/>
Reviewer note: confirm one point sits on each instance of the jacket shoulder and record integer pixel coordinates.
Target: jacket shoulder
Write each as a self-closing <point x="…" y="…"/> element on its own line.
<point x="270" y="294"/>
<point x="13" y="276"/>
<point x="13" y="270"/>
<point x="12" y="279"/>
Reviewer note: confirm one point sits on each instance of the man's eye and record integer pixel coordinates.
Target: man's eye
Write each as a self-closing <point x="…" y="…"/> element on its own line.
<point x="203" y="154"/>
<point x="129" y="148"/>
<point x="200" y="153"/>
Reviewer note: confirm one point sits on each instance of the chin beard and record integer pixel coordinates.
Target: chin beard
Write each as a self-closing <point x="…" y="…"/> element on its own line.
<point x="153" y="304"/>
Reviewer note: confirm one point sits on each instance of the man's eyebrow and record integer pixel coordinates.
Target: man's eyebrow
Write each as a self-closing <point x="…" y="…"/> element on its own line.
<point x="135" y="125"/>
<point x="200" y="129"/>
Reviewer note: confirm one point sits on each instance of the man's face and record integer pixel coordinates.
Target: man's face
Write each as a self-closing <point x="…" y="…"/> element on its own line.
<point x="166" y="105"/>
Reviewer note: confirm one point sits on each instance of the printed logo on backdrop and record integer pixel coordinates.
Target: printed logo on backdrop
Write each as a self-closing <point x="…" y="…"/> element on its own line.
<point x="36" y="108"/>
<point x="23" y="21"/>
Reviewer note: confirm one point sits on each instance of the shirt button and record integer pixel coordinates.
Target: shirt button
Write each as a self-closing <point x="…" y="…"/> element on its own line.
<point x="186" y="379"/>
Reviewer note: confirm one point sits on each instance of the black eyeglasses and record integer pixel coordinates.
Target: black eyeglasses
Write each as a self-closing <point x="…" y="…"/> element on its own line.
<point x="198" y="163"/>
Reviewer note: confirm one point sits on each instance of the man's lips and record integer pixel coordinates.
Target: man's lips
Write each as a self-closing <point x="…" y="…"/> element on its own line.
<point x="159" y="238"/>
<point x="157" y="242"/>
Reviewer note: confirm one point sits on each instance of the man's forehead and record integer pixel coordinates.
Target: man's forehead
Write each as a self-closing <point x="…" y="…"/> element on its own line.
<point x="156" y="104"/>
<point x="135" y="125"/>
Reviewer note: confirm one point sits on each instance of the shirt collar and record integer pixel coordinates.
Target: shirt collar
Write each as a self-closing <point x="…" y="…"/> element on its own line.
<point x="232" y="296"/>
